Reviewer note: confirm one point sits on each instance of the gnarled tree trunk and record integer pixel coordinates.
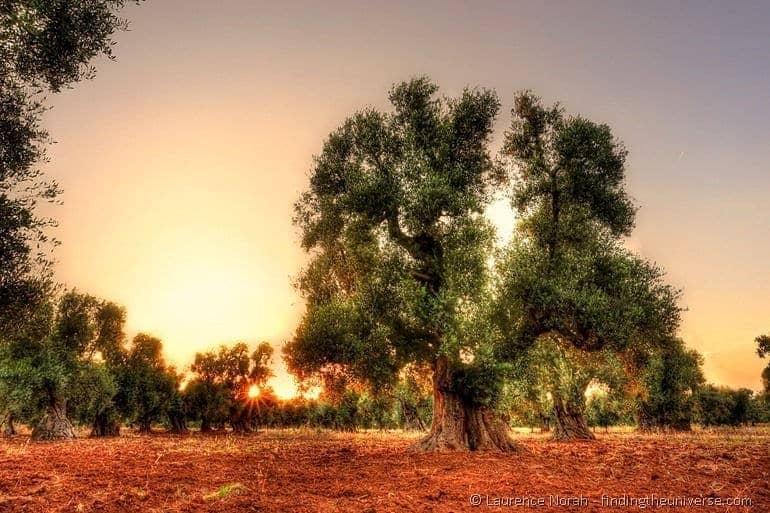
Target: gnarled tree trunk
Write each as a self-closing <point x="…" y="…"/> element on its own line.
<point x="7" y="423"/>
<point x="145" y="426"/>
<point x="570" y="423"/>
<point x="458" y="426"/>
<point x="55" y="424"/>
<point x="105" y="425"/>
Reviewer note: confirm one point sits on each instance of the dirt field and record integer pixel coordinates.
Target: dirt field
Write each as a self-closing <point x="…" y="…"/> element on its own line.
<point x="285" y="471"/>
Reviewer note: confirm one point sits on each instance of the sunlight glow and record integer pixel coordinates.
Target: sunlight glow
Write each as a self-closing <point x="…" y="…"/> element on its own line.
<point x="253" y="392"/>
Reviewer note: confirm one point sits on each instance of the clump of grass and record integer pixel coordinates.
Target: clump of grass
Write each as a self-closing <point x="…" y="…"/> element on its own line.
<point x="224" y="491"/>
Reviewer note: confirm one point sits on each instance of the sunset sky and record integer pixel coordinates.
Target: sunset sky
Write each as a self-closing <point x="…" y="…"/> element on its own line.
<point x="181" y="160"/>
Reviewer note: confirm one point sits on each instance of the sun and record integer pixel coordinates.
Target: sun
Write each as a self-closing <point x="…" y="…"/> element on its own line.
<point x="253" y="392"/>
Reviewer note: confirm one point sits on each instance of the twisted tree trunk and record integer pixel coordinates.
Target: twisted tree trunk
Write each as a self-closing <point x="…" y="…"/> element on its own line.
<point x="570" y="423"/>
<point x="458" y="426"/>
<point x="55" y="424"/>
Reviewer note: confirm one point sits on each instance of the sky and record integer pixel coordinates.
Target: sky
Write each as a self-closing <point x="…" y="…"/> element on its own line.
<point x="181" y="160"/>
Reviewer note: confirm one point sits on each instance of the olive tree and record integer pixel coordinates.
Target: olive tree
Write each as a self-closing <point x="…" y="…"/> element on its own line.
<point x="566" y="274"/>
<point x="392" y="221"/>
<point x="218" y="391"/>
<point x="45" y="46"/>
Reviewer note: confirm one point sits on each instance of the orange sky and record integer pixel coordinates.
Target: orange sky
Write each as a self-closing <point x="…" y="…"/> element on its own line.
<point x="181" y="161"/>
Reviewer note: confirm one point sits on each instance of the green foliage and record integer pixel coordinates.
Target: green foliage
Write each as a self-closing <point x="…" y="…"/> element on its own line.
<point x="218" y="390"/>
<point x="723" y="406"/>
<point x="480" y="383"/>
<point x="567" y="272"/>
<point x="605" y="410"/>
<point x="92" y="394"/>
<point x="551" y="369"/>
<point x="759" y="410"/>
<point x="670" y="377"/>
<point x="45" y="46"/>
<point x="146" y="383"/>
<point x="207" y="402"/>
<point x="398" y="249"/>
<point x="377" y="412"/>
<point x="52" y="360"/>
<point x="413" y="398"/>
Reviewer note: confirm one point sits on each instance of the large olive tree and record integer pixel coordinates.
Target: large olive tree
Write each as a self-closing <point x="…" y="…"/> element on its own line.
<point x="392" y="221"/>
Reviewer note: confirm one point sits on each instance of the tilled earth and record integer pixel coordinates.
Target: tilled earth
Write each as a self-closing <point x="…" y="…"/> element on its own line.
<point x="306" y="471"/>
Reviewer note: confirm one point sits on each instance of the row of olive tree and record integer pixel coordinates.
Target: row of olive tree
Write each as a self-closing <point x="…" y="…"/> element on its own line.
<point x="666" y="391"/>
<point x="71" y="360"/>
<point x="45" y="47"/>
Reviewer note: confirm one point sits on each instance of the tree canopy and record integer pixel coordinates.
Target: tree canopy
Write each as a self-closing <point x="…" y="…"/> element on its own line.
<point x="221" y="380"/>
<point x="45" y="46"/>
<point x="399" y="247"/>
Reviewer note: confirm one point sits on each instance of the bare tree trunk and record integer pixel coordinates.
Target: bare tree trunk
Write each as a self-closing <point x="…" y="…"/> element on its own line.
<point x="7" y="423"/>
<point x="205" y="425"/>
<point x="55" y="424"/>
<point x="145" y="427"/>
<point x="458" y="426"/>
<point x="570" y="423"/>
<point x="420" y="424"/>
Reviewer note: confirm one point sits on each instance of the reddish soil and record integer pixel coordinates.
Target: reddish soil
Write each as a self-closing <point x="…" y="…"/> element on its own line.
<point x="284" y="471"/>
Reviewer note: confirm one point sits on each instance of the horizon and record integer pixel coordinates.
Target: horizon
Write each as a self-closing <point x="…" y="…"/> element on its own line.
<point x="187" y="224"/>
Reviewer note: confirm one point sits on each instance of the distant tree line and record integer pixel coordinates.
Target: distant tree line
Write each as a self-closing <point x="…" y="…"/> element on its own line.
<point x="72" y="364"/>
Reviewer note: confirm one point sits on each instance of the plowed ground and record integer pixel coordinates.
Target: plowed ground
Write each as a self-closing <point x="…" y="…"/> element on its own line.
<point x="306" y="471"/>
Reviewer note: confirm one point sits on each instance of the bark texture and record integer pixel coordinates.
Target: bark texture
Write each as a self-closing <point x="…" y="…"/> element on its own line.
<point x="570" y="423"/>
<point x="54" y="425"/>
<point x="458" y="426"/>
